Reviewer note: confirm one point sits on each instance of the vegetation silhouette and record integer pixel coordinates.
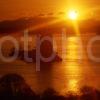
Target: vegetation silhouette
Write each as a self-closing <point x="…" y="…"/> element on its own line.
<point x="14" y="87"/>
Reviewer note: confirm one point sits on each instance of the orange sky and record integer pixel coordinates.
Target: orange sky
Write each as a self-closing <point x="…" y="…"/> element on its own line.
<point x="10" y="9"/>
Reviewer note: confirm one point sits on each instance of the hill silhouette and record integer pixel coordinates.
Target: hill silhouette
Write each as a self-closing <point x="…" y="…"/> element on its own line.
<point x="47" y="25"/>
<point x="14" y="87"/>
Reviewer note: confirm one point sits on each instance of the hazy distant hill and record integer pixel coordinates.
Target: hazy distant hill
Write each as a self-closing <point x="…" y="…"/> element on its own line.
<point x="10" y="26"/>
<point x="90" y="25"/>
<point x="50" y="25"/>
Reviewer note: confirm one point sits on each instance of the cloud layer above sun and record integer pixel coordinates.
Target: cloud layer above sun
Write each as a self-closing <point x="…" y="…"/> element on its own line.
<point x="26" y="8"/>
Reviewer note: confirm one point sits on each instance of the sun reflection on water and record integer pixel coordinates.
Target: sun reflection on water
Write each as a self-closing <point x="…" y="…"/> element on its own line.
<point x="73" y="85"/>
<point x="73" y="66"/>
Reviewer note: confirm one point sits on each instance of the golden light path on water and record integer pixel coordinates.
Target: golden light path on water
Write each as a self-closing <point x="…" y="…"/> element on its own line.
<point x="73" y="67"/>
<point x="74" y="56"/>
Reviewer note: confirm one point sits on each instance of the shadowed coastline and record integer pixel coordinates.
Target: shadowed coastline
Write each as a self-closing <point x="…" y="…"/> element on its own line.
<point x="14" y="87"/>
<point x="18" y="25"/>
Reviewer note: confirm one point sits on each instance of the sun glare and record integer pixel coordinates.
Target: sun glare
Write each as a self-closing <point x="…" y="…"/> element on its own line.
<point x="72" y="15"/>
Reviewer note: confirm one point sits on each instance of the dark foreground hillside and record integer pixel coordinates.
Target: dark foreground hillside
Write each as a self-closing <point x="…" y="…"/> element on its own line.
<point x="14" y="87"/>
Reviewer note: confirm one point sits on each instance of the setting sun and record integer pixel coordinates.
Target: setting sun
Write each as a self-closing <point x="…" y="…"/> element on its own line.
<point x="72" y="15"/>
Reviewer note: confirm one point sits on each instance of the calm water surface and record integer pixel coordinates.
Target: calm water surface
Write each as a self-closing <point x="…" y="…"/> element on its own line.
<point x="75" y="71"/>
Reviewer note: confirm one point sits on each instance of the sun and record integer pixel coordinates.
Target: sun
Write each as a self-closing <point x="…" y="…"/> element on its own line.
<point x="73" y="15"/>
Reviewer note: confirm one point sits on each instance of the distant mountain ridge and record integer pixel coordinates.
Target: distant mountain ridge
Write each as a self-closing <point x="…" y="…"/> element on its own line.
<point x="50" y="25"/>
